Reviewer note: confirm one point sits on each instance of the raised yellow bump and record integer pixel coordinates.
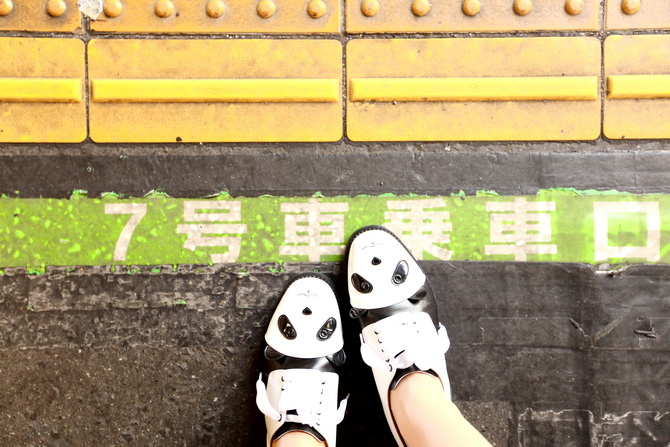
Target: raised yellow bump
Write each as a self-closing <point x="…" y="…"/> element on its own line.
<point x="421" y="7"/>
<point x="638" y="86"/>
<point x="522" y="7"/>
<point x="215" y="90"/>
<point x="266" y="9"/>
<point x="559" y="88"/>
<point x="56" y="8"/>
<point x="316" y="9"/>
<point x="164" y="8"/>
<point x="215" y="8"/>
<point x="630" y="7"/>
<point x="113" y="8"/>
<point x="40" y="90"/>
<point x="6" y="7"/>
<point x="370" y="8"/>
<point x="471" y="7"/>
<point x="574" y="7"/>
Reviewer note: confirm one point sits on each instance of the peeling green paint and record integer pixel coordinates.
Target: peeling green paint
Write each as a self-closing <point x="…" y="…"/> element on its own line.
<point x="159" y="230"/>
<point x="156" y="193"/>
<point x="79" y="194"/>
<point x="278" y="269"/>
<point x="583" y="192"/>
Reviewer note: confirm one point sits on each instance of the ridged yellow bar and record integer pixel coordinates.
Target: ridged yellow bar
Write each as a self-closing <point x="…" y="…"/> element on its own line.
<point x="40" y="90"/>
<point x="215" y="90"/>
<point x="638" y="86"/>
<point x="558" y="88"/>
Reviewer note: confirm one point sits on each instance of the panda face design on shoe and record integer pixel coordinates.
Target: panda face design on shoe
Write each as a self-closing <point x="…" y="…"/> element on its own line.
<point x="381" y="271"/>
<point x="307" y="321"/>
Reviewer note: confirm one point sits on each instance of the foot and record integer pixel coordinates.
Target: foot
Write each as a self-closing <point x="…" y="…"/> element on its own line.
<point x="395" y="305"/>
<point x="298" y="388"/>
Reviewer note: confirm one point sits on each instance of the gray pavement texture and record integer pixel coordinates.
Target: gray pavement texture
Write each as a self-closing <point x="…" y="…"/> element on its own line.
<point x="339" y="168"/>
<point x="542" y="355"/>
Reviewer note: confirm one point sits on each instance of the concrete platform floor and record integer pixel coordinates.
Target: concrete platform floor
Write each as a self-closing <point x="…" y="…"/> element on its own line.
<point x="542" y="355"/>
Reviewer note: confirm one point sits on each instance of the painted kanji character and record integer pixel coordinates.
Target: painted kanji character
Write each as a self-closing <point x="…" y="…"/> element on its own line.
<point x="313" y="229"/>
<point x="650" y="251"/>
<point x="520" y="228"/>
<point x="210" y="227"/>
<point x="421" y="225"/>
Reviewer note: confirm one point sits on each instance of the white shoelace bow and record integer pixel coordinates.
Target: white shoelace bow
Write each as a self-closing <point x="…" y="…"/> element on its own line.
<point x="405" y="344"/>
<point x="302" y="391"/>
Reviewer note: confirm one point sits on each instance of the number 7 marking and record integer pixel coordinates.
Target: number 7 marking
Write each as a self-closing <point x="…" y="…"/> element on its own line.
<point x="137" y="211"/>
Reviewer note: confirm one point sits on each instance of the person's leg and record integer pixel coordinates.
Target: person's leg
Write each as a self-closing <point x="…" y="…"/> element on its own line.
<point x="297" y="390"/>
<point x="403" y="342"/>
<point x="426" y="418"/>
<point x="297" y="439"/>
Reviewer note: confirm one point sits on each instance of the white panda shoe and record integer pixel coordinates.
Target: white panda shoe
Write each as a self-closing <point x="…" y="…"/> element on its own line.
<point x="395" y="305"/>
<point x="298" y="389"/>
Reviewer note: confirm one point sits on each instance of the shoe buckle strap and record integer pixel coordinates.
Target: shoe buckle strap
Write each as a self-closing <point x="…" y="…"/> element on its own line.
<point x="316" y="420"/>
<point x="372" y="359"/>
<point x="312" y="419"/>
<point x="262" y="401"/>
<point x="421" y="355"/>
<point x="443" y="338"/>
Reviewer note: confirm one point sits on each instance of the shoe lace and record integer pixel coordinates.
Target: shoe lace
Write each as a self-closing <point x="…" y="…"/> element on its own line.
<point x="301" y="399"/>
<point x="406" y="344"/>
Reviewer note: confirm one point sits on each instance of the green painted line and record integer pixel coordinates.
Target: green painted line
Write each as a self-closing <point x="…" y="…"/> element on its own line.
<point x="555" y="225"/>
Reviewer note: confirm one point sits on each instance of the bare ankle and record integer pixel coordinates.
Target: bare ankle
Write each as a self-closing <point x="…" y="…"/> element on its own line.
<point x="426" y="417"/>
<point x="297" y="439"/>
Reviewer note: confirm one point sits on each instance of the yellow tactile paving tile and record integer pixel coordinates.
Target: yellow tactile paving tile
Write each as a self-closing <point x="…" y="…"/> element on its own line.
<point x="637" y="72"/>
<point x="233" y="90"/>
<point x="422" y="16"/>
<point x="541" y="88"/>
<point x="637" y="14"/>
<point x="219" y="16"/>
<point x="42" y="90"/>
<point x="40" y="16"/>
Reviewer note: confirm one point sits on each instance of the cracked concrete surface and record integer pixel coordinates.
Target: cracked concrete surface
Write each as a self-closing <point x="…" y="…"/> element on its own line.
<point x="542" y="354"/>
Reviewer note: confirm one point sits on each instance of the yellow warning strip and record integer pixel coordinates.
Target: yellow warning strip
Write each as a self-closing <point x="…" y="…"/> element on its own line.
<point x="559" y="88"/>
<point x="215" y="90"/>
<point x="40" y="90"/>
<point x="638" y="86"/>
